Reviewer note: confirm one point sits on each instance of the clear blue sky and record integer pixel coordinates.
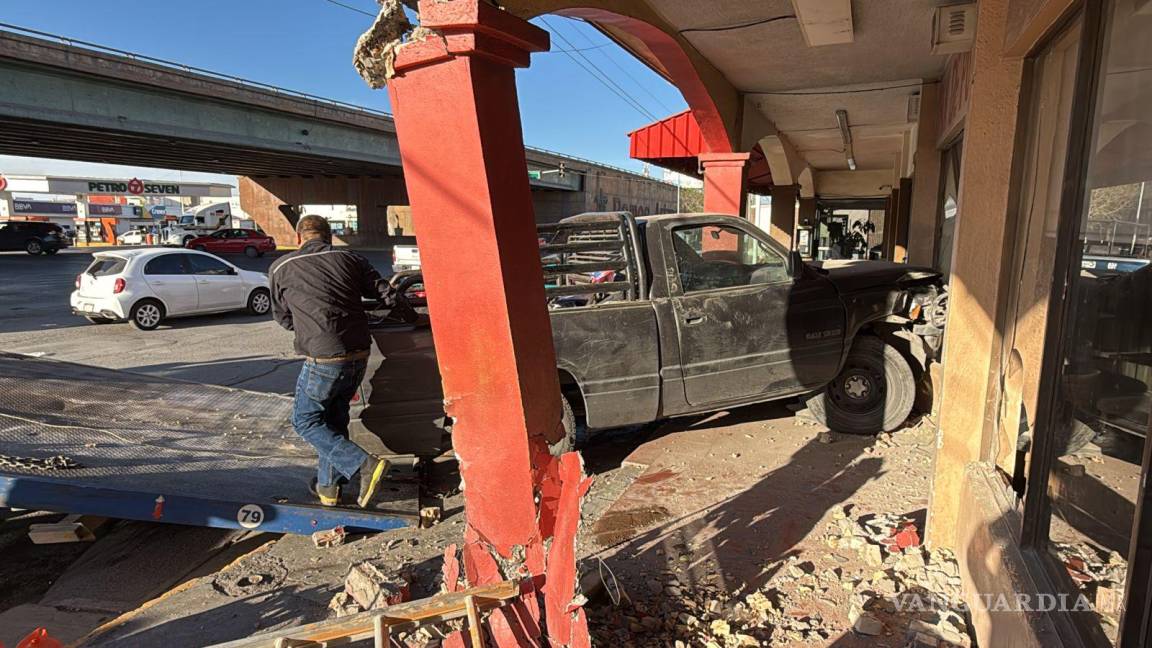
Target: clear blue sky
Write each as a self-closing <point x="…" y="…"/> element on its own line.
<point x="307" y="45"/>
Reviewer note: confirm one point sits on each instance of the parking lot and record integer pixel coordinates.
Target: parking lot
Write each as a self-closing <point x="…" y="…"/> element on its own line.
<point x="232" y="349"/>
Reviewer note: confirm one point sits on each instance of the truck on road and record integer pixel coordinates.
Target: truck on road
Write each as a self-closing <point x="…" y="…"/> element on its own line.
<point x="196" y="222"/>
<point x="673" y="315"/>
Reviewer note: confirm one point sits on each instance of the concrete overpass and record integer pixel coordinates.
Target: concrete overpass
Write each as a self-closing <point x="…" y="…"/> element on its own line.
<point x="79" y="101"/>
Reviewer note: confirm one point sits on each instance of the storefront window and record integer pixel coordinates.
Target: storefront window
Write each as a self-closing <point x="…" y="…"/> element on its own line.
<point x="949" y="207"/>
<point x="1100" y="416"/>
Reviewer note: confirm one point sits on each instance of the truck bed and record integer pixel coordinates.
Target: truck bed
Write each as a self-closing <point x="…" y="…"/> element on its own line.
<point x="148" y="448"/>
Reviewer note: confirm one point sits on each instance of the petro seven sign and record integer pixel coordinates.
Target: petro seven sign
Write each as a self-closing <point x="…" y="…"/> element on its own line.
<point x="135" y="187"/>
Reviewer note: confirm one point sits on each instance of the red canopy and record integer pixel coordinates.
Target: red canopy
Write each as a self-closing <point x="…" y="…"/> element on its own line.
<point x="674" y="142"/>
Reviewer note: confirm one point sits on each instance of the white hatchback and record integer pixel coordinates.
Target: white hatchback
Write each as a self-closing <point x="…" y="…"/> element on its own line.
<point x="145" y="287"/>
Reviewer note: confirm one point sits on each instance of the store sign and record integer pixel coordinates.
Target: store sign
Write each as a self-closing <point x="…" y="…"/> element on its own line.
<point x="158" y="211"/>
<point x="134" y="187"/>
<point x="39" y="207"/>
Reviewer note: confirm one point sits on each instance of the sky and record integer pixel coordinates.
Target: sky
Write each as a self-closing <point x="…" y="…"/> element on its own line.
<point x="306" y="45"/>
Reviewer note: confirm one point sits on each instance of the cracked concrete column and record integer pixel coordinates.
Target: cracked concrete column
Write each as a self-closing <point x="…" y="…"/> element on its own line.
<point x="458" y="123"/>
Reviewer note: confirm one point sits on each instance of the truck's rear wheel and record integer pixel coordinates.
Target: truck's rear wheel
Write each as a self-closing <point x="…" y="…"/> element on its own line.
<point x="568" y="420"/>
<point x="873" y="393"/>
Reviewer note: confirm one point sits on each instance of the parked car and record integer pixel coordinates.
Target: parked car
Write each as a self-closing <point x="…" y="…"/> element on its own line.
<point x="133" y="237"/>
<point x="32" y="237"/>
<point x="680" y="314"/>
<point x="234" y="241"/>
<point x="147" y="286"/>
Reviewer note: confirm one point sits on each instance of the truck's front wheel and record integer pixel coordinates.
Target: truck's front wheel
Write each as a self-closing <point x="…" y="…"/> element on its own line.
<point x="873" y="393"/>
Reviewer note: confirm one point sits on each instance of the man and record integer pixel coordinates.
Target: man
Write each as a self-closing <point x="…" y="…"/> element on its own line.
<point x="317" y="293"/>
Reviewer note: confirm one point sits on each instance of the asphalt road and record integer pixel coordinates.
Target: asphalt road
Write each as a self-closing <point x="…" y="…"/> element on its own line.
<point x="233" y="349"/>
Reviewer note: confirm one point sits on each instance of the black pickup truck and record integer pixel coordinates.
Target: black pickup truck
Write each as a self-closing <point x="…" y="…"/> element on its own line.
<point x="672" y="315"/>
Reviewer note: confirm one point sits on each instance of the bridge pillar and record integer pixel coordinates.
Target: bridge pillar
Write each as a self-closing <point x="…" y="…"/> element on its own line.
<point x="725" y="182"/>
<point x="458" y="125"/>
<point x="270" y="202"/>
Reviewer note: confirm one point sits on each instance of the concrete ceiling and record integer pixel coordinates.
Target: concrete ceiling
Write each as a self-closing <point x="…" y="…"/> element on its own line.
<point x="876" y="55"/>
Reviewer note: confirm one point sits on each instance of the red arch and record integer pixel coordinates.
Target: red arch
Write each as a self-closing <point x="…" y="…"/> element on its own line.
<point x="678" y="65"/>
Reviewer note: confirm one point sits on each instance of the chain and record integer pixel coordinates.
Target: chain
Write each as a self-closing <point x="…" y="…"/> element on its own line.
<point x="58" y="462"/>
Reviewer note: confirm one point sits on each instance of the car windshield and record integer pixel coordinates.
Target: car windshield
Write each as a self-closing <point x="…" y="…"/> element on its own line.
<point x="104" y="266"/>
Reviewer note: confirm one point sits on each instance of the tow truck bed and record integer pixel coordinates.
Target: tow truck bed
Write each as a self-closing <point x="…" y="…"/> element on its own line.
<point x="149" y="448"/>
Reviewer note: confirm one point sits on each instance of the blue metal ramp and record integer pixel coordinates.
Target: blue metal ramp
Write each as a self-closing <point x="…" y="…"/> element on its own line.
<point x="144" y="448"/>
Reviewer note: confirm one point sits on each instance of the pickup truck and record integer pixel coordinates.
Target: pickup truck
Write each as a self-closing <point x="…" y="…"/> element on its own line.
<point x="673" y="315"/>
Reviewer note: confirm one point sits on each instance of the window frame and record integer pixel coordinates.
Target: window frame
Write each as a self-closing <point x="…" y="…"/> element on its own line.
<point x="1036" y="514"/>
<point x="191" y="265"/>
<point x="673" y="267"/>
<point x="179" y="255"/>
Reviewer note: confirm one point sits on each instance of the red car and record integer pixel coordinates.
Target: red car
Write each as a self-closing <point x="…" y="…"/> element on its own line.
<point x="234" y="241"/>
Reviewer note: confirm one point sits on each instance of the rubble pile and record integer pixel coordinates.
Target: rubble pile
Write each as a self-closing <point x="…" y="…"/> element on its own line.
<point x="876" y="569"/>
<point x="1100" y="575"/>
<point x="677" y="616"/>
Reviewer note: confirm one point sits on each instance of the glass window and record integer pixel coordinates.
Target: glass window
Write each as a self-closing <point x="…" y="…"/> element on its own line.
<point x="166" y="264"/>
<point x="205" y="265"/>
<point x="104" y="266"/>
<point x="709" y="257"/>
<point x="1100" y="416"/>
<point x="219" y="235"/>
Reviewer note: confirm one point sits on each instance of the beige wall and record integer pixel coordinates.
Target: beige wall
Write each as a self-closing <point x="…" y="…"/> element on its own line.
<point x="983" y="256"/>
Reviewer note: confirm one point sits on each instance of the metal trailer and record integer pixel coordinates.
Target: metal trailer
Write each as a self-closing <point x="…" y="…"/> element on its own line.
<point x="93" y="441"/>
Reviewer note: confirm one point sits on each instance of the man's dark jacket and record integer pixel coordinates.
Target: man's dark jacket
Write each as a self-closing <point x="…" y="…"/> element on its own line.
<point x="317" y="292"/>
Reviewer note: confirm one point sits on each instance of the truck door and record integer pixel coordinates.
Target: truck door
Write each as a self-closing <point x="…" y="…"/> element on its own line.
<point x="746" y="328"/>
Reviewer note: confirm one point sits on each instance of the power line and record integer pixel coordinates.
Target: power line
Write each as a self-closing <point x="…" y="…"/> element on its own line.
<point x="351" y="8"/>
<point x="628" y="74"/>
<point x="602" y="77"/>
<point x="762" y="21"/>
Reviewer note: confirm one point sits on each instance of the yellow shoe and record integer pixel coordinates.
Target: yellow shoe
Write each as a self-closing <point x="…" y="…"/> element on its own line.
<point x="328" y="495"/>
<point x="371" y="474"/>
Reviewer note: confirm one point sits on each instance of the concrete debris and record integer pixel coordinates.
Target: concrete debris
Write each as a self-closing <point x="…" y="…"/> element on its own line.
<point x="1099" y="573"/>
<point x="329" y="538"/>
<point x="376" y="49"/>
<point x="868" y="624"/>
<point x="370" y="585"/>
<point x="429" y="516"/>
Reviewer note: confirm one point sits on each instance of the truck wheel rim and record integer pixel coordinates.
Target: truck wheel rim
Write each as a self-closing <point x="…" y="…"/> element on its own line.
<point x="148" y="315"/>
<point x="260" y="303"/>
<point x="858" y="389"/>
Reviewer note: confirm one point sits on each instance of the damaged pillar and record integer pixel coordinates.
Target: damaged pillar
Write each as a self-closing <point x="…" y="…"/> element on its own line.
<point x="458" y="123"/>
<point x="725" y="182"/>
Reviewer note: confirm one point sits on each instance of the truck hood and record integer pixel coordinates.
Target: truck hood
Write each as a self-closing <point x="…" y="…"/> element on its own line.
<point x="856" y="275"/>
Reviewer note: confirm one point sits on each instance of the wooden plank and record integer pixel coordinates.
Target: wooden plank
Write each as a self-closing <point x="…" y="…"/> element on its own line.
<point x="73" y="528"/>
<point x="442" y="607"/>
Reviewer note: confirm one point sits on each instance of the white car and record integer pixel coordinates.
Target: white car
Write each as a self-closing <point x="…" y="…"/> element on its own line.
<point x="147" y="286"/>
<point x="133" y="237"/>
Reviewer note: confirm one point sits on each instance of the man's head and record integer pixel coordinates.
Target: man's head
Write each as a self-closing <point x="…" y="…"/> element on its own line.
<point x="313" y="227"/>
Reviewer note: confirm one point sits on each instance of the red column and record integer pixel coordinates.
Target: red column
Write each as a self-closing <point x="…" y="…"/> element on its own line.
<point x="725" y="182"/>
<point x="458" y="126"/>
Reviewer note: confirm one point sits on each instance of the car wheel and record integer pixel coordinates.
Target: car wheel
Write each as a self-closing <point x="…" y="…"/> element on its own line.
<point x="260" y="302"/>
<point x="97" y="320"/>
<point x="251" y="252"/>
<point x="51" y="251"/>
<point x="146" y="314"/>
<point x="873" y="393"/>
<point x="568" y="420"/>
<point x="33" y="247"/>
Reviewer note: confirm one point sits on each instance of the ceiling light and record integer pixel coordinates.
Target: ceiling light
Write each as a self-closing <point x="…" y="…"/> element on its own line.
<point x="846" y="136"/>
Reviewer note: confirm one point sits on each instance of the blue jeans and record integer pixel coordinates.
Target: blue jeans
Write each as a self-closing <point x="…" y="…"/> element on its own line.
<point x="324" y="393"/>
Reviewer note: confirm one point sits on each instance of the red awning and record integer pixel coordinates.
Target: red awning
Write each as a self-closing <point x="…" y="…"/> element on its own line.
<point x="674" y="142"/>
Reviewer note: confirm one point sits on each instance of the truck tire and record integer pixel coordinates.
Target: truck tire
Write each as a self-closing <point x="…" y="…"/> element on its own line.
<point x="568" y="419"/>
<point x="873" y="393"/>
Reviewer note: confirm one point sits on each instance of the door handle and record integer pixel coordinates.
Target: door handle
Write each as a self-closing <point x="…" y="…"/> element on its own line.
<point x="693" y="317"/>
